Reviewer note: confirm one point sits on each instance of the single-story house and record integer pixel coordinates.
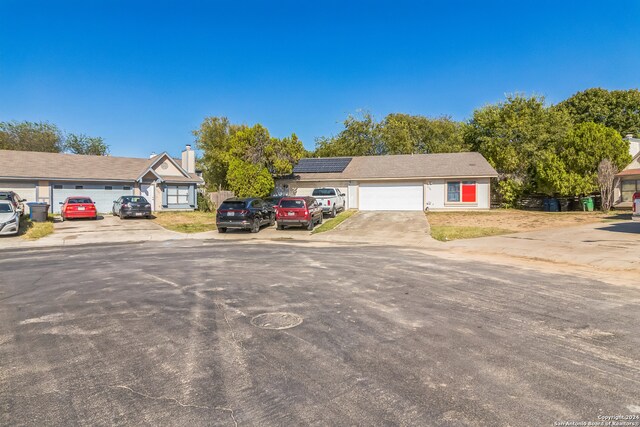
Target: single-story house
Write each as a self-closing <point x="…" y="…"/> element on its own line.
<point x="628" y="180"/>
<point x="167" y="183"/>
<point x="411" y="182"/>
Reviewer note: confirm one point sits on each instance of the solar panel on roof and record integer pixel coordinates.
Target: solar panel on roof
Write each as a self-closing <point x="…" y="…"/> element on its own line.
<point x="328" y="165"/>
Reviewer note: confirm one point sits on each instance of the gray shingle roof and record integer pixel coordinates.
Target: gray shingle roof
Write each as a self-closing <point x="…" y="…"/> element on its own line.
<point x="443" y="165"/>
<point x="51" y="166"/>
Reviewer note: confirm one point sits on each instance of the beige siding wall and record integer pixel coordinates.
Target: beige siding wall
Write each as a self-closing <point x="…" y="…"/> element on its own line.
<point x="635" y="164"/>
<point x="44" y="192"/>
<point x="436" y="195"/>
<point x="158" y="198"/>
<point x="166" y="168"/>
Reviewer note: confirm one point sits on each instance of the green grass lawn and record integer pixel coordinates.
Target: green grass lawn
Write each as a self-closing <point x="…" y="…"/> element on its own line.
<point x="332" y="223"/>
<point x="35" y="230"/>
<point x="446" y="233"/>
<point x="187" y="222"/>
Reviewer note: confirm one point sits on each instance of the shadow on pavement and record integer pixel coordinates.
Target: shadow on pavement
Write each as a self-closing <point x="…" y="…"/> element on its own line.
<point x="623" y="227"/>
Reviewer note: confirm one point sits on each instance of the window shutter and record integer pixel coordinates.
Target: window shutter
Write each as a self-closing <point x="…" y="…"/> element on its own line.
<point x="469" y="192"/>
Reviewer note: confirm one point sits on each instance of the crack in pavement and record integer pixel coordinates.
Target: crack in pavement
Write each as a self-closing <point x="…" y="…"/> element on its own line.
<point x="223" y="308"/>
<point x="184" y="405"/>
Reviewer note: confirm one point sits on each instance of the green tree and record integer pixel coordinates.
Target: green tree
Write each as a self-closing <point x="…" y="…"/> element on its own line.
<point x="571" y="167"/>
<point x="247" y="179"/>
<point x="396" y="134"/>
<point x="360" y="137"/>
<point x="283" y="154"/>
<point x="31" y="136"/>
<point x="212" y="138"/>
<point x="513" y="136"/>
<point x="406" y="134"/>
<point x="617" y="109"/>
<point x="83" y="144"/>
<point x="245" y="159"/>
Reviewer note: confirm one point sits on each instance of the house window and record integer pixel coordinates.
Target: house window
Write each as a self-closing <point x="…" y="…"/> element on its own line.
<point x="629" y="186"/>
<point x="79" y="187"/>
<point x="177" y="195"/>
<point x="57" y="187"/>
<point x="461" y="191"/>
<point x="453" y="191"/>
<point x="108" y="187"/>
<point x="126" y="188"/>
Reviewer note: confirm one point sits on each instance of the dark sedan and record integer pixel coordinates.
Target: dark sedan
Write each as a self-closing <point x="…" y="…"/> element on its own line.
<point x="248" y="214"/>
<point x="132" y="206"/>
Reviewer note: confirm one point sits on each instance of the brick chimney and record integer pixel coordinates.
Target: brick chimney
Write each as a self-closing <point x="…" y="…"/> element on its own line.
<point x="189" y="159"/>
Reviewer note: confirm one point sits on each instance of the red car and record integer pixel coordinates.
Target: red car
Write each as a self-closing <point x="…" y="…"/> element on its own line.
<point x="78" y="207"/>
<point x="298" y="211"/>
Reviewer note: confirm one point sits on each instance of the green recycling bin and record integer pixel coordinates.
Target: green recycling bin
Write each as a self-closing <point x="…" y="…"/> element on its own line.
<point x="587" y="204"/>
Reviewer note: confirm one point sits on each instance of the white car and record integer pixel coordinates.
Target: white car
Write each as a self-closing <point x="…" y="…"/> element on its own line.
<point x="9" y="218"/>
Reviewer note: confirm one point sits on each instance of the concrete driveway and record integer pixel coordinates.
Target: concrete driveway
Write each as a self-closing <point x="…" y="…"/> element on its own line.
<point x="107" y="228"/>
<point x="237" y="333"/>
<point x="612" y="246"/>
<point x="401" y="228"/>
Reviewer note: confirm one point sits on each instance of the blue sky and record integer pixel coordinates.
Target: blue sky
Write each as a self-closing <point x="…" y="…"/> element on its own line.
<point x="143" y="74"/>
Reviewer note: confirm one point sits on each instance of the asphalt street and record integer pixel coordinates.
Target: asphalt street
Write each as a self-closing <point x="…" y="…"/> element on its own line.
<point x="246" y="333"/>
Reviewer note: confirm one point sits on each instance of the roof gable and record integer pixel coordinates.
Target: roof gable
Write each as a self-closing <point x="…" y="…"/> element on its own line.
<point x="156" y="161"/>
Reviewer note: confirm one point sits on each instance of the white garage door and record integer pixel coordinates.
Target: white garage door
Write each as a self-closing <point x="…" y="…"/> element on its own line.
<point x="103" y="195"/>
<point x="26" y="191"/>
<point x="391" y="197"/>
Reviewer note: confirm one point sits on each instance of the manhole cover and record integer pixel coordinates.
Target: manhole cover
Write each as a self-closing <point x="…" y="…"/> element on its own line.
<point x="276" y="320"/>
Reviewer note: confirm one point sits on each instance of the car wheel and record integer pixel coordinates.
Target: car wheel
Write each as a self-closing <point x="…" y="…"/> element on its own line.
<point x="121" y="215"/>
<point x="321" y="219"/>
<point x="222" y="230"/>
<point x="279" y="226"/>
<point x="255" y="227"/>
<point x="61" y="217"/>
<point x="272" y="221"/>
<point x="333" y="212"/>
<point x="310" y="224"/>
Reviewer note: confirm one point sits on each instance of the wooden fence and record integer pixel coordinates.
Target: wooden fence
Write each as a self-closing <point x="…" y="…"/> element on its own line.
<point x="218" y="197"/>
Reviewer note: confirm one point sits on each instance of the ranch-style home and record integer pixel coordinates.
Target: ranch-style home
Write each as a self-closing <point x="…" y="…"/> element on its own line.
<point x="628" y="180"/>
<point x="412" y="182"/>
<point x="167" y="183"/>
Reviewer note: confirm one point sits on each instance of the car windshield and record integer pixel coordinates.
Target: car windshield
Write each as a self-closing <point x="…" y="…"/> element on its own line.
<point x="292" y="203"/>
<point x="6" y="208"/>
<point x="324" y="192"/>
<point x="232" y="205"/>
<point x="79" y="200"/>
<point x="5" y="197"/>
<point x="134" y="200"/>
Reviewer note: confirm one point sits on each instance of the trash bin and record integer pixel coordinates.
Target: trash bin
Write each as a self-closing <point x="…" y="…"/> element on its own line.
<point x="38" y="212"/>
<point x="551" y="205"/>
<point x="564" y="204"/>
<point x="587" y="204"/>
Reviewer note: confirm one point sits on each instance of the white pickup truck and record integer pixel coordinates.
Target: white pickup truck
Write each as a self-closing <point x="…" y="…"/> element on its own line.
<point x="331" y="200"/>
